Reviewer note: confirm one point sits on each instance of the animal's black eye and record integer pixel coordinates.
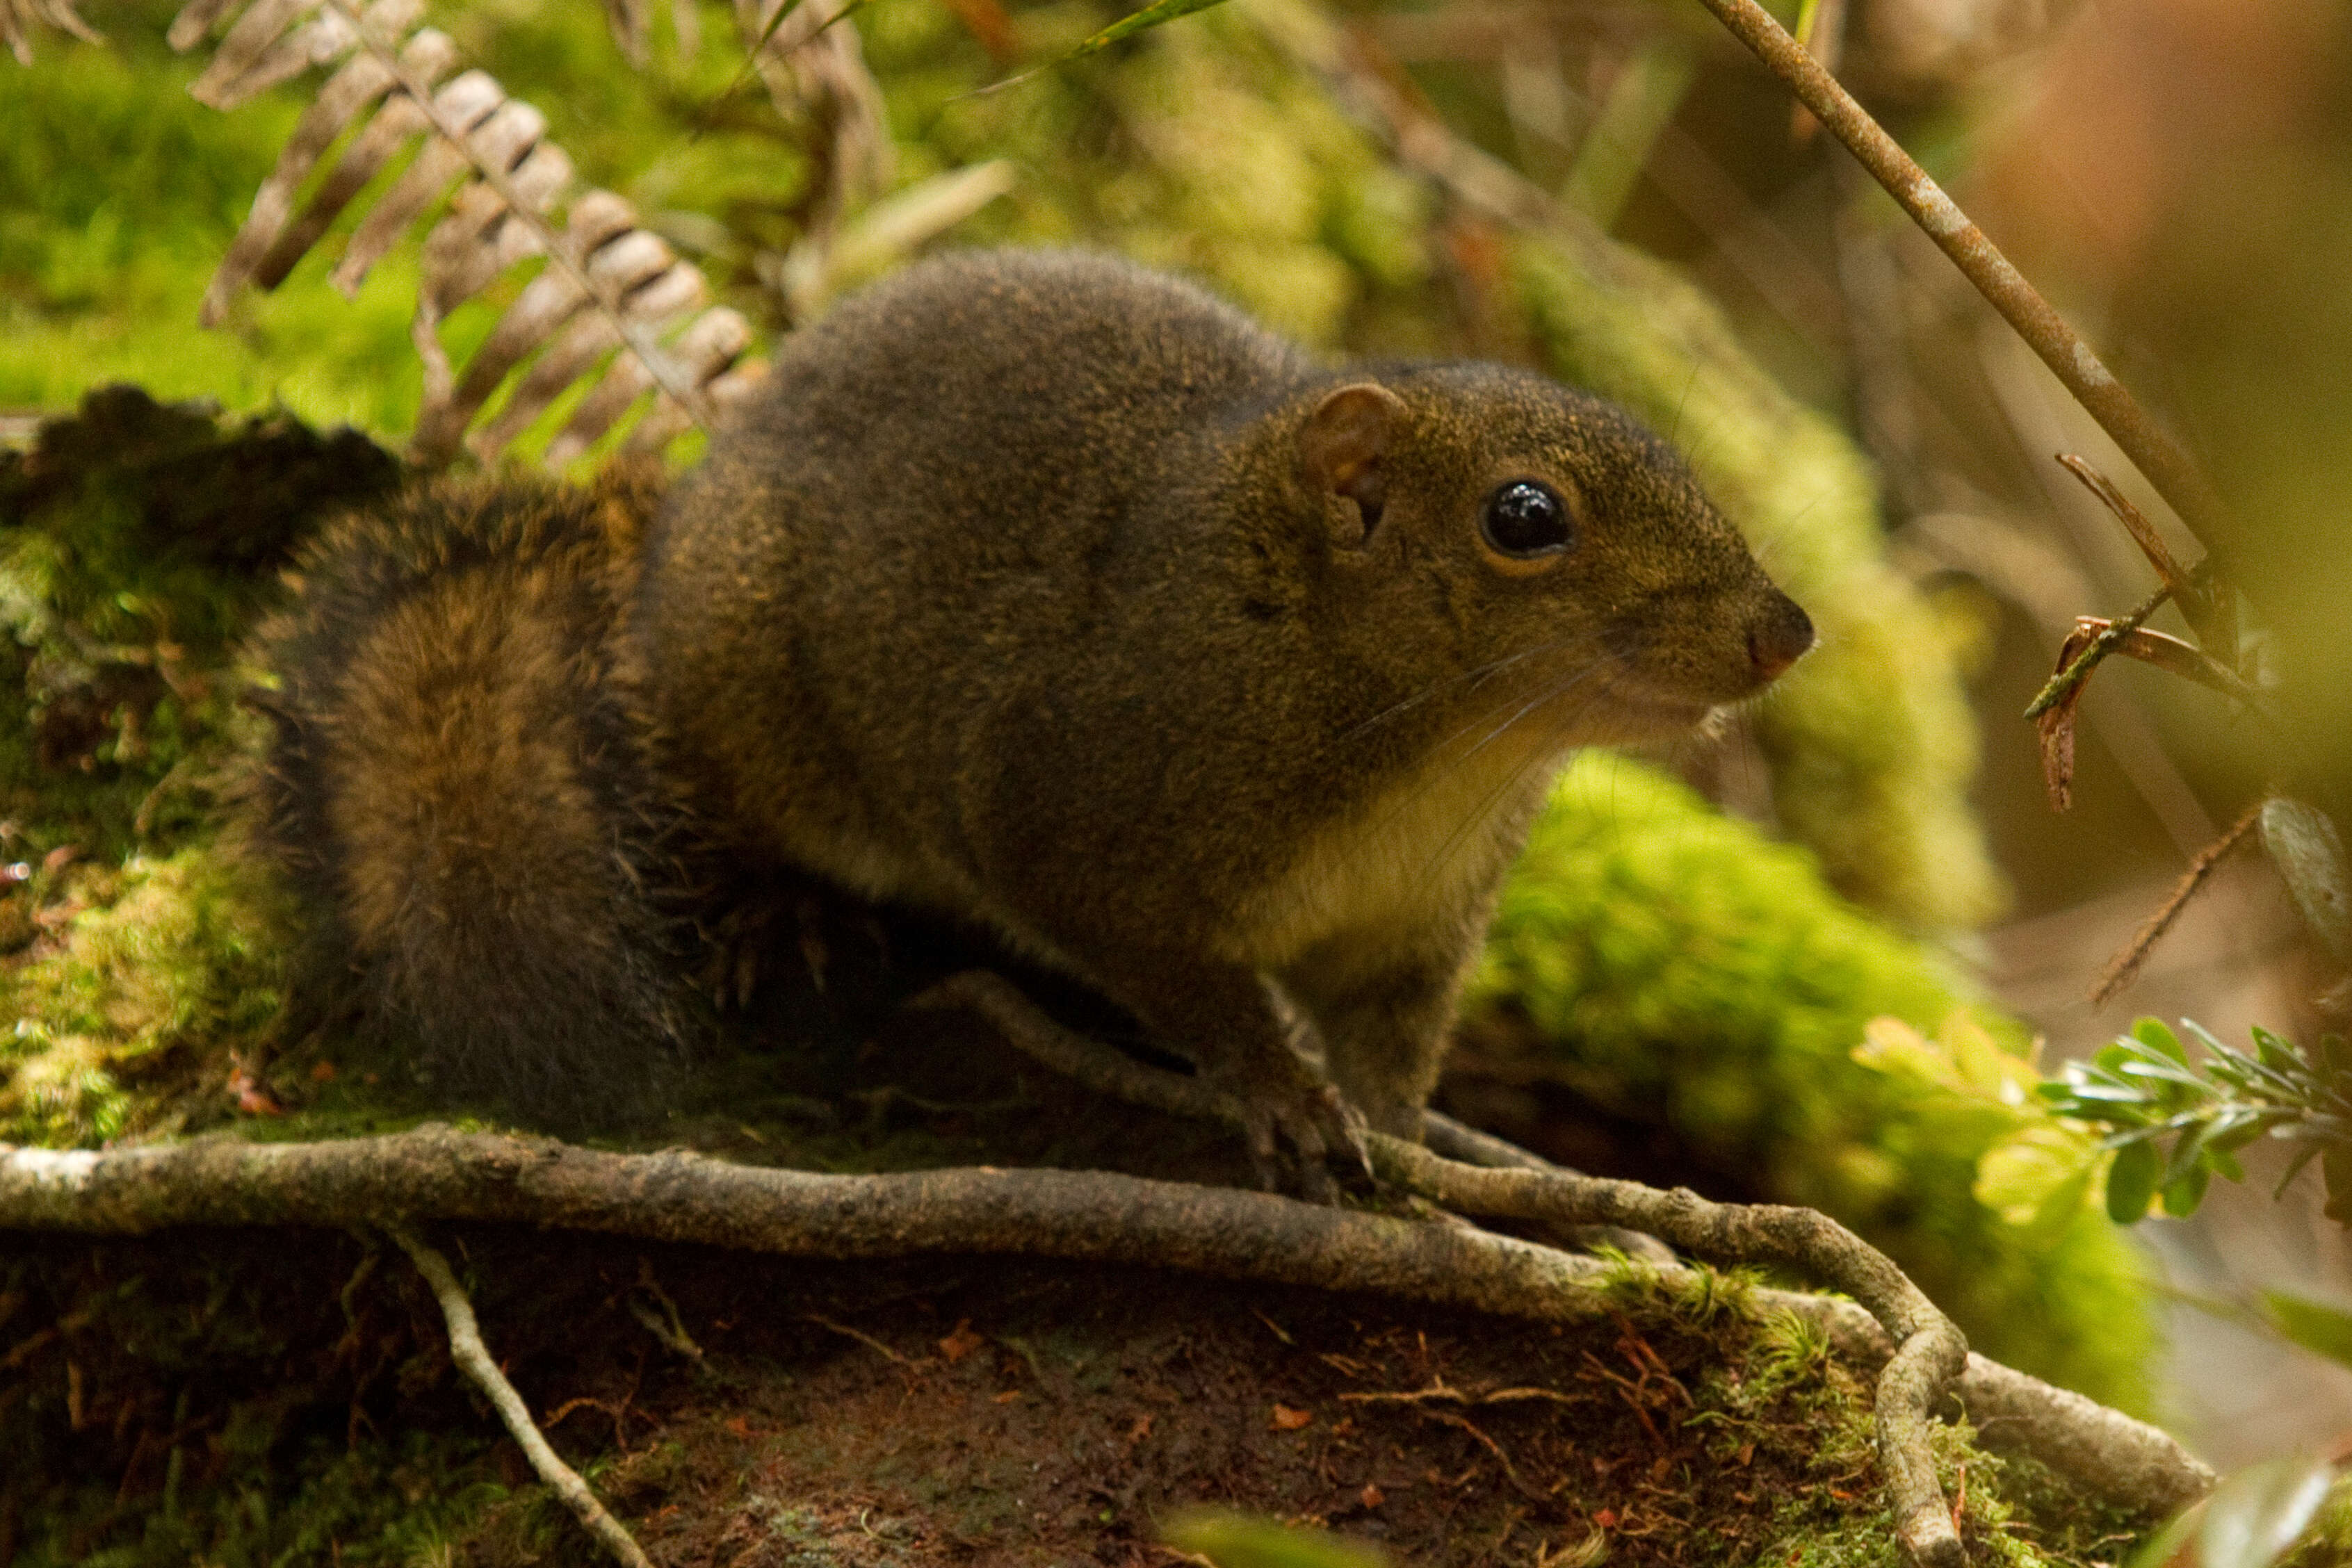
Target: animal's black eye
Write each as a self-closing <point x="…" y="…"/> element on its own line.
<point x="1526" y="517"/>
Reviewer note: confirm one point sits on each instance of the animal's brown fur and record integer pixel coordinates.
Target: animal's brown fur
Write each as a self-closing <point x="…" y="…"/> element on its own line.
<point x="1048" y="591"/>
<point x="1041" y="591"/>
<point x="462" y="787"/>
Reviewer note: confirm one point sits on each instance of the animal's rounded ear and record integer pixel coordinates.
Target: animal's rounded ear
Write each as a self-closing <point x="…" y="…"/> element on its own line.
<point x="1340" y="449"/>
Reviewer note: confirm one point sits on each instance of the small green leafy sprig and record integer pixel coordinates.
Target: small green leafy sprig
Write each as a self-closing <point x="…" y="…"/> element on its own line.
<point x="2177" y="1124"/>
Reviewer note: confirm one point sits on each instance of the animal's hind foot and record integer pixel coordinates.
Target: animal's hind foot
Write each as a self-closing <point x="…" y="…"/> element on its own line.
<point x="1308" y="1118"/>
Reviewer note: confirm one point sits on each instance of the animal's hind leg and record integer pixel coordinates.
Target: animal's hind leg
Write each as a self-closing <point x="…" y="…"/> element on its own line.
<point x="1295" y="1106"/>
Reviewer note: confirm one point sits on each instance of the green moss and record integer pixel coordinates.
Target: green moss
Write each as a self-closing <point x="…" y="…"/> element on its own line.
<point x="1676" y="967"/>
<point x="389" y="1503"/>
<point x="1790" y="1350"/>
<point x="2328" y="1543"/>
<point x="1693" y="1303"/>
<point x="137" y="542"/>
<point x="1780" y="1399"/>
<point x="247" y="1456"/>
<point x="168" y="962"/>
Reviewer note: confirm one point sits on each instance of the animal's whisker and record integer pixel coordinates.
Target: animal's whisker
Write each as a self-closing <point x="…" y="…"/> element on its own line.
<point x="1568" y="679"/>
<point x="1476" y="676"/>
<point x="1494" y="734"/>
<point x="1434" y="777"/>
<point x="1533" y="759"/>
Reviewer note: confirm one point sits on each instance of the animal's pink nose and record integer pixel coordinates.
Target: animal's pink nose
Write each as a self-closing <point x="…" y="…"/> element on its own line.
<point x="1779" y="637"/>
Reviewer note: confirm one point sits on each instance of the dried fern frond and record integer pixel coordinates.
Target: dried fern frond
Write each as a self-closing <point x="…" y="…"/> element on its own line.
<point x="810" y="62"/>
<point x="819" y="266"/>
<point x="614" y="307"/>
<point x="20" y="19"/>
<point x="632" y="24"/>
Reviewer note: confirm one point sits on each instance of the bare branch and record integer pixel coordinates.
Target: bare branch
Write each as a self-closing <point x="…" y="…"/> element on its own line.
<point x="2070" y="358"/>
<point x="675" y="1195"/>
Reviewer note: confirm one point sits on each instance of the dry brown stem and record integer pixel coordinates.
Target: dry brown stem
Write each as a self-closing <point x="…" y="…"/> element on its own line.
<point x="474" y="1359"/>
<point x="21" y="22"/>
<point x="2052" y="712"/>
<point x="2125" y="965"/>
<point x="2070" y="358"/>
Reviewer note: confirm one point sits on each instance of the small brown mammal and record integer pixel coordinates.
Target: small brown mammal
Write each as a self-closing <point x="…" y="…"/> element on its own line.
<point x="1050" y="593"/>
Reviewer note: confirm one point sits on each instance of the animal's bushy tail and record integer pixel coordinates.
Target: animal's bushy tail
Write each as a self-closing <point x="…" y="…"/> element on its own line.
<point x="462" y="790"/>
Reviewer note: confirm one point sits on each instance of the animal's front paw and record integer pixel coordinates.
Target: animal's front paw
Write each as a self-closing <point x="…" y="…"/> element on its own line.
<point x="1304" y="1136"/>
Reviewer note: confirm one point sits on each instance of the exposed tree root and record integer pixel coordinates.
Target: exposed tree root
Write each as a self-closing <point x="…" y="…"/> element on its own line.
<point x="1931" y="1352"/>
<point x="1930" y="1349"/>
<point x="473" y="1358"/>
<point x="433" y="1173"/>
<point x="1454" y="1140"/>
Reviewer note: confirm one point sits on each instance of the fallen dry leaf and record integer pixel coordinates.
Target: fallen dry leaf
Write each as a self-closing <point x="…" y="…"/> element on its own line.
<point x="250" y="1096"/>
<point x="961" y="1343"/>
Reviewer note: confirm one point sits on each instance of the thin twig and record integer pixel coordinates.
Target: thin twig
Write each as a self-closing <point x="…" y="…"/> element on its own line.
<point x="2125" y="965"/>
<point x="2070" y="358"/>
<point x="2061" y="685"/>
<point x="868" y="1340"/>
<point x="473" y="1357"/>
<point x="665" y="1325"/>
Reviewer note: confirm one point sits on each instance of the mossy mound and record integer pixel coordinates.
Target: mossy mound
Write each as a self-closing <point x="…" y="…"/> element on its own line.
<point x="137" y="542"/>
<point x="1684" y="975"/>
<point x="154" y="988"/>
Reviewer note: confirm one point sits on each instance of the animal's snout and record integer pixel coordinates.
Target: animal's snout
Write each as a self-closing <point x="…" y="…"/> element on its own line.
<point x="1779" y="637"/>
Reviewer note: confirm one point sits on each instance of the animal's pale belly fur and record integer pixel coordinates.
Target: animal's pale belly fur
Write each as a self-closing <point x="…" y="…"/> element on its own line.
<point x="1416" y="859"/>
